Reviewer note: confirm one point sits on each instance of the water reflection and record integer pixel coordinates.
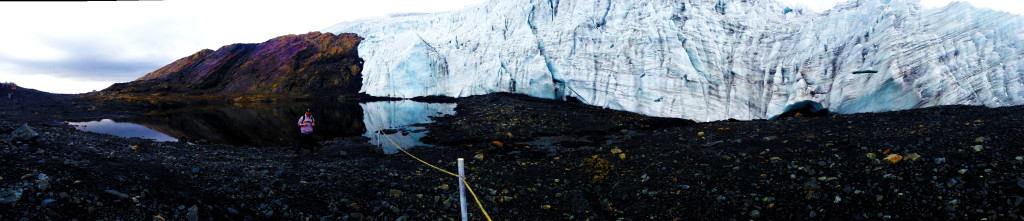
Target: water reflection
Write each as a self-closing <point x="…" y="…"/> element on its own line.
<point x="123" y="129"/>
<point x="275" y="124"/>
<point x="257" y="125"/>
<point x="405" y="116"/>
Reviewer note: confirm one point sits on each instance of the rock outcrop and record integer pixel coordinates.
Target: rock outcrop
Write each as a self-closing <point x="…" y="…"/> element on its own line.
<point x="25" y="133"/>
<point x="312" y="63"/>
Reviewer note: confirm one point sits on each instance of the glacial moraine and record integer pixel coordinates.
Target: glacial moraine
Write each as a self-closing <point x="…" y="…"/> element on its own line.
<point x="955" y="162"/>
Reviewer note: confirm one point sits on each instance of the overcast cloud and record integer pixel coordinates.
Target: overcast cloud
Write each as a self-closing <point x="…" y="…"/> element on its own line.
<point x="75" y="47"/>
<point x="119" y="56"/>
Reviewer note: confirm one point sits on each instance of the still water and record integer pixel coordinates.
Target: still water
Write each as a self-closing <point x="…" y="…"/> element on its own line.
<point x="405" y="116"/>
<point x="123" y="129"/>
<point x="275" y="124"/>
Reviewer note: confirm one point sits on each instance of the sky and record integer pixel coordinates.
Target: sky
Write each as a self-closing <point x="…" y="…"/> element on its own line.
<point x="77" y="47"/>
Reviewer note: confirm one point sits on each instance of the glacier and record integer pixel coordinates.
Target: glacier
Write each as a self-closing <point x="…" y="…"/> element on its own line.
<point x="703" y="60"/>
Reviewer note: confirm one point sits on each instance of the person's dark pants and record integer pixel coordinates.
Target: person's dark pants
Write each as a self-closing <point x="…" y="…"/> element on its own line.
<point x="305" y="140"/>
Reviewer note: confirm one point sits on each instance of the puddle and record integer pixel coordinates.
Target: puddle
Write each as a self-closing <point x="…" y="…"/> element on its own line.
<point x="400" y="116"/>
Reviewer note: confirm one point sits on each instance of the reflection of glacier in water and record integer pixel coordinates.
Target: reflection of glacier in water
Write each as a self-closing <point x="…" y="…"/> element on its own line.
<point x="404" y="116"/>
<point x="123" y="129"/>
<point x="254" y="124"/>
<point x="274" y="124"/>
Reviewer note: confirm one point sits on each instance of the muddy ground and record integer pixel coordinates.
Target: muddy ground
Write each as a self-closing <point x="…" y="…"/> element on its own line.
<point x="552" y="160"/>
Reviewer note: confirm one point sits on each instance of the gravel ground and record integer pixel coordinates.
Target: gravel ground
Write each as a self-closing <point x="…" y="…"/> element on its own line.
<point x="561" y="161"/>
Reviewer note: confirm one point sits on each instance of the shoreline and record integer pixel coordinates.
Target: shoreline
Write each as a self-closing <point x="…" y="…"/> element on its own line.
<point x="562" y="161"/>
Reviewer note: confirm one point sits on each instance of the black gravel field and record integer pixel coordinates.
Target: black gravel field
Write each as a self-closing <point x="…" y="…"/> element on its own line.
<point x="529" y="159"/>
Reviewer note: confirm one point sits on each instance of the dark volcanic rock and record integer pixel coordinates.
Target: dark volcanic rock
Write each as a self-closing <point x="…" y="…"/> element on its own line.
<point x="512" y="117"/>
<point x="950" y="162"/>
<point x="25" y="133"/>
<point x="435" y="99"/>
<point x="803" y="109"/>
<point x="36" y="107"/>
<point x="313" y="63"/>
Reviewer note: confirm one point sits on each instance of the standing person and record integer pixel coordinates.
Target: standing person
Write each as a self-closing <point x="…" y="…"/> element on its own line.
<point x="306" y="124"/>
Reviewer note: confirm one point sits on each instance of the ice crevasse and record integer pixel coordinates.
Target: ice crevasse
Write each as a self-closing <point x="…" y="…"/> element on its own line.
<point x="704" y="60"/>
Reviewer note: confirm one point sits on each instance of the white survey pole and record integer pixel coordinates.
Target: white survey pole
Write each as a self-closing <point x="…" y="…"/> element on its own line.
<point x="462" y="190"/>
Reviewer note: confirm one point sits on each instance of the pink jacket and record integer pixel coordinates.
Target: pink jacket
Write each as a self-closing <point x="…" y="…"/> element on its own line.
<point x="309" y="124"/>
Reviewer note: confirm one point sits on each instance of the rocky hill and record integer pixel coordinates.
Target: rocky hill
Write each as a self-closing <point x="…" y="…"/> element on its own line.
<point x="290" y="65"/>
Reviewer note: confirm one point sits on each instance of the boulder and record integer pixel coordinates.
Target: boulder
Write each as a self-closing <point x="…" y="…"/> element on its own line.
<point x="25" y="133"/>
<point x="193" y="213"/>
<point x="10" y="195"/>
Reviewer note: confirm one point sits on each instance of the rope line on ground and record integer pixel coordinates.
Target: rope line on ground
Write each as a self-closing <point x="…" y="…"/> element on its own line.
<point x="463" y="179"/>
<point x="475" y="199"/>
<point x="417" y="158"/>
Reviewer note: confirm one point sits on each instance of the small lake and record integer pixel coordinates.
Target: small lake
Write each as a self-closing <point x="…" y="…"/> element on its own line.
<point x="276" y="124"/>
<point x="124" y="129"/>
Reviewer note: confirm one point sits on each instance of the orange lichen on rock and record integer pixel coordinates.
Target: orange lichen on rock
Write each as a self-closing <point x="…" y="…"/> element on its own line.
<point x="871" y="155"/>
<point x="599" y="168"/>
<point x="913" y="156"/>
<point x="893" y="158"/>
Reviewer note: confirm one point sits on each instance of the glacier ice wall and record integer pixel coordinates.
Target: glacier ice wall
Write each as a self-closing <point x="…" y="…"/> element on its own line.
<point x="701" y="60"/>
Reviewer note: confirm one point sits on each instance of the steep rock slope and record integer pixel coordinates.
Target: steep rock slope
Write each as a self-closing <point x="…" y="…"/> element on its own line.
<point x="701" y="60"/>
<point x="313" y="63"/>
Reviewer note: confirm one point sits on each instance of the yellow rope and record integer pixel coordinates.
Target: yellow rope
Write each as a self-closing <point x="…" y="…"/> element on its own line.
<point x="417" y="158"/>
<point x="463" y="179"/>
<point x="475" y="199"/>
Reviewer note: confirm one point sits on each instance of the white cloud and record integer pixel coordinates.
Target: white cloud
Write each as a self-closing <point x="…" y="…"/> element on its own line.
<point x="30" y="48"/>
<point x="88" y="45"/>
<point x="60" y="85"/>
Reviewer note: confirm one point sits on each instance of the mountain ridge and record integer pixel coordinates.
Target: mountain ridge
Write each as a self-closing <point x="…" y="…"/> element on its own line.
<point x="307" y="64"/>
